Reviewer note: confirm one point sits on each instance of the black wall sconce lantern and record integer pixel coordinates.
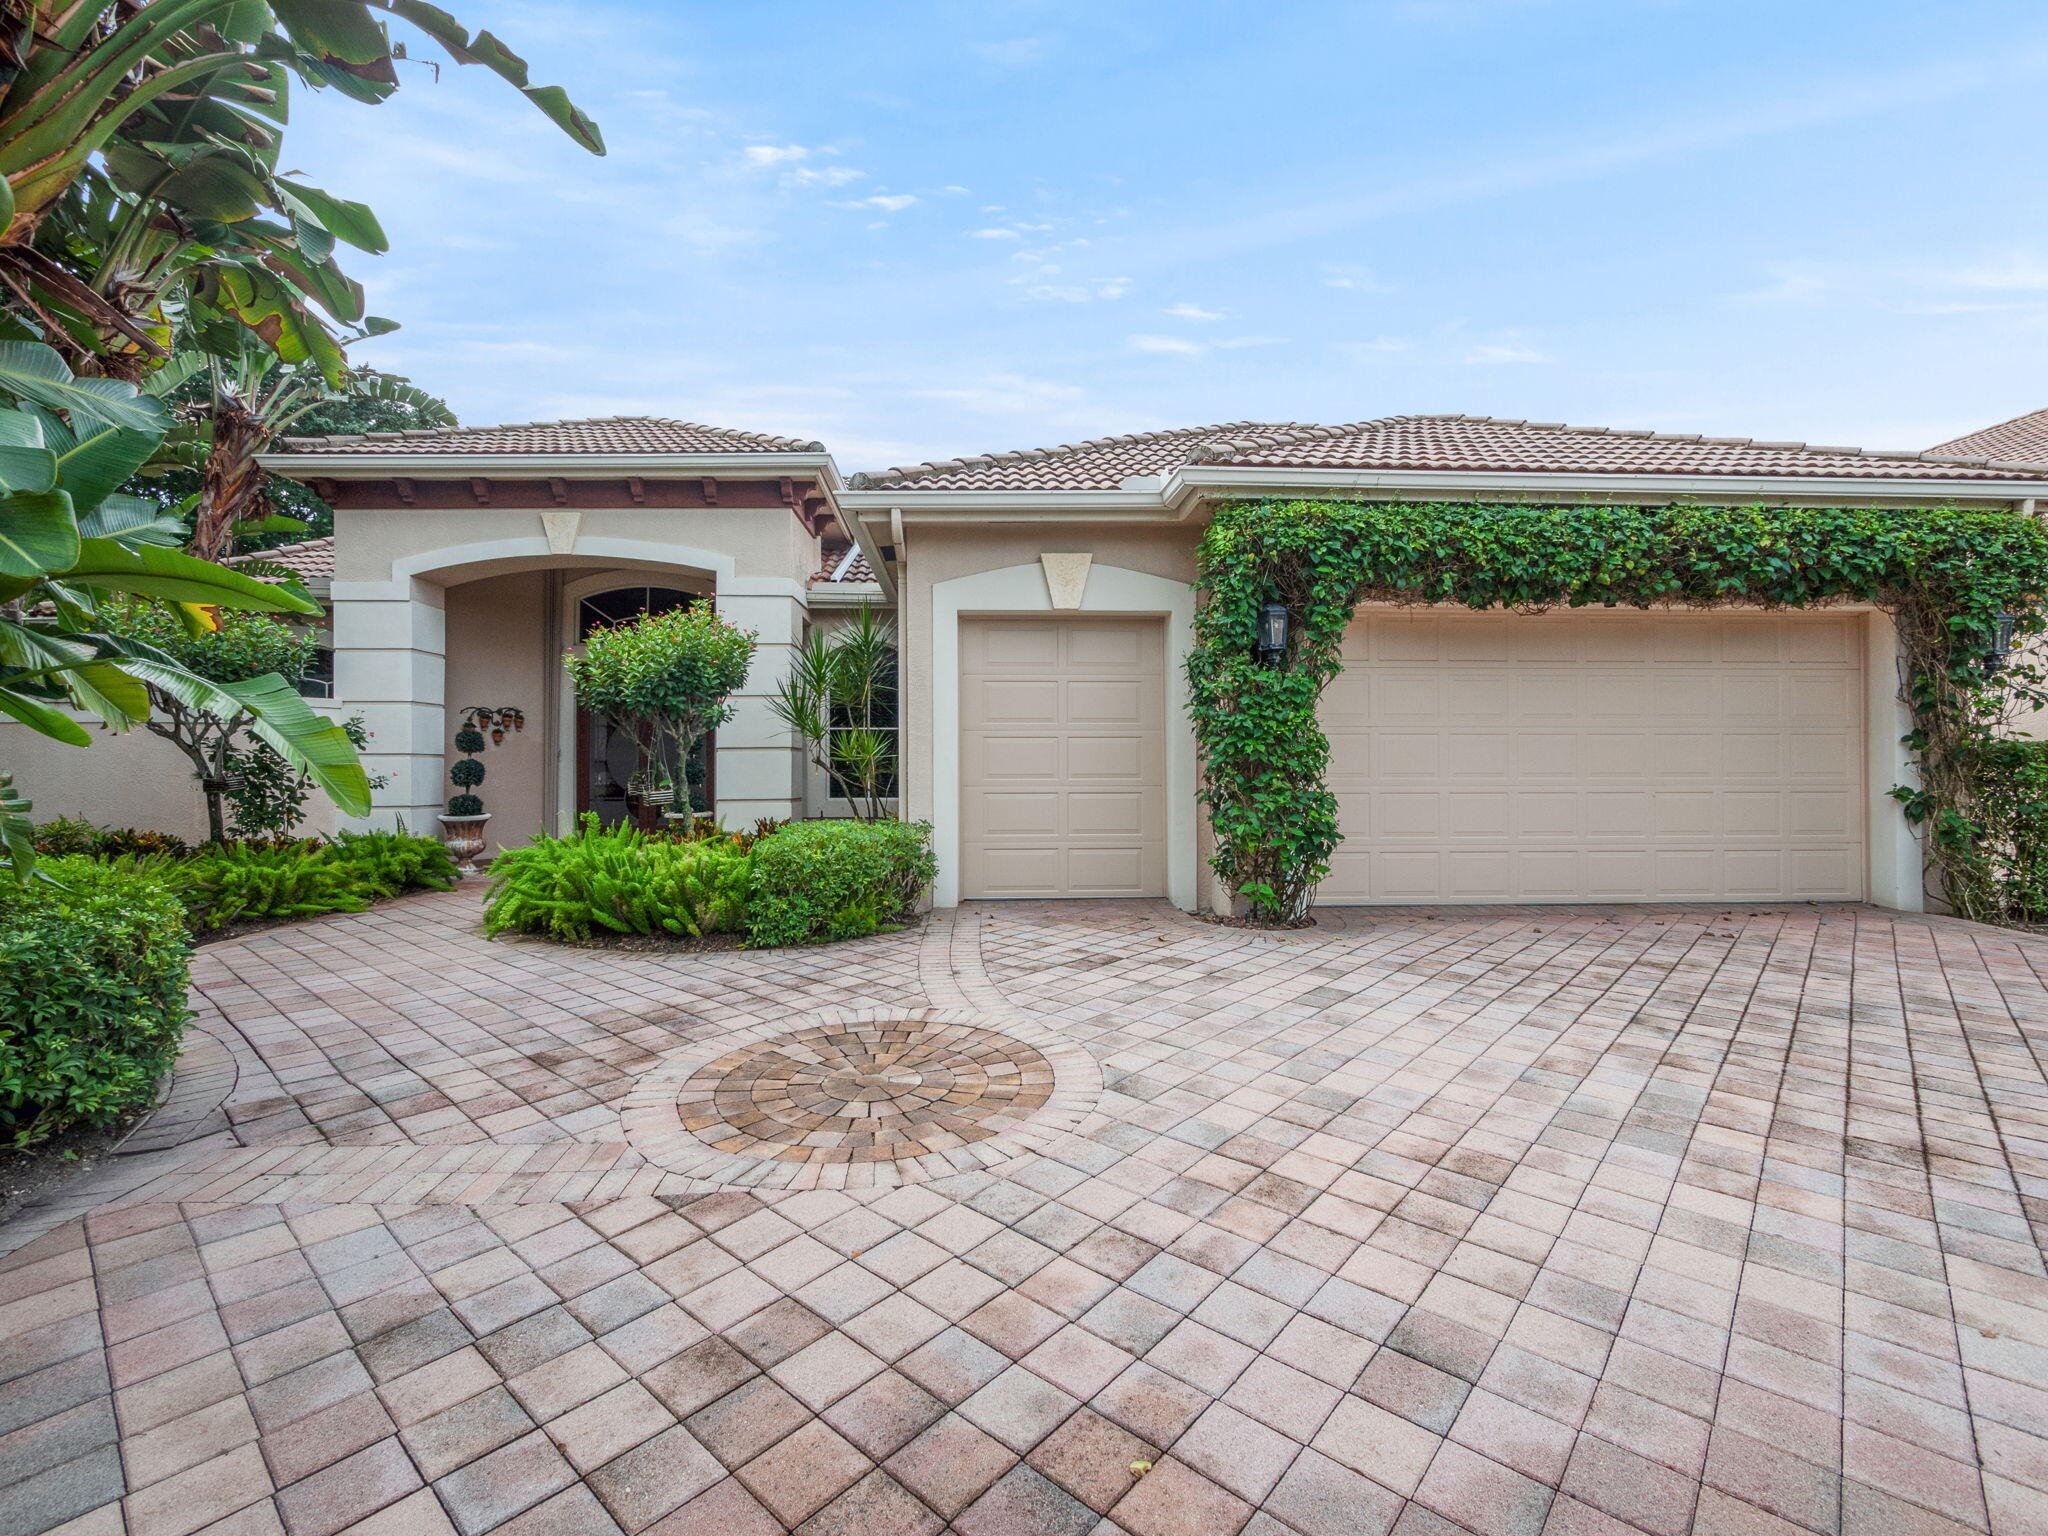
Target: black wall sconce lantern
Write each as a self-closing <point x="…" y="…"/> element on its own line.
<point x="2004" y="627"/>
<point x="1273" y="634"/>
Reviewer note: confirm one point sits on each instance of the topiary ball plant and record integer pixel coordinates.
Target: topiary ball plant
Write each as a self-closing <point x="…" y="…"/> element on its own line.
<point x="467" y="771"/>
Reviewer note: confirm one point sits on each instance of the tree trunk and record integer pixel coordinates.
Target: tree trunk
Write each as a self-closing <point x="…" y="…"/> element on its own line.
<point x="234" y="488"/>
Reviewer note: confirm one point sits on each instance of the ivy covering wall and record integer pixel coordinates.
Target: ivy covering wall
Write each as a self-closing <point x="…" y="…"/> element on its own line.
<point x="1945" y="577"/>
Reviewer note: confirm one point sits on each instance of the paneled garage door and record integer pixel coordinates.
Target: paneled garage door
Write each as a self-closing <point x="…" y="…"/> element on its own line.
<point x="1062" y="757"/>
<point x="1598" y="757"/>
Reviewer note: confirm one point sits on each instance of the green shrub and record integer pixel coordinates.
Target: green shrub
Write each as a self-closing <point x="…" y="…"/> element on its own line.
<point x="620" y="880"/>
<point x="66" y="835"/>
<point x="386" y="864"/>
<point x="92" y="967"/>
<point x="816" y="881"/>
<point x="252" y="882"/>
<point x="2010" y="777"/>
<point x="246" y="883"/>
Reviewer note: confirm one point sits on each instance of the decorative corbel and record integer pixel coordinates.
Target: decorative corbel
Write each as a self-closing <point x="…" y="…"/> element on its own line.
<point x="637" y="489"/>
<point x="480" y="488"/>
<point x="559" y="489"/>
<point x="407" y="491"/>
<point x="710" y="490"/>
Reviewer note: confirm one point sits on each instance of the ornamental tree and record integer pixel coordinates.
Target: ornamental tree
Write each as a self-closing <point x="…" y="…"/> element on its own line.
<point x="664" y="679"/>
<point x="241" y="648"/>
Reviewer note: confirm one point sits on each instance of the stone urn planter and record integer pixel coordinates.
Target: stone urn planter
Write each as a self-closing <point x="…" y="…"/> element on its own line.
<point x="464" y="836"/>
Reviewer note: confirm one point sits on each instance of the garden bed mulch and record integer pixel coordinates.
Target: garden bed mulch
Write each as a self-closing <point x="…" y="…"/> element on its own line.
<point x="30" y="1175"/>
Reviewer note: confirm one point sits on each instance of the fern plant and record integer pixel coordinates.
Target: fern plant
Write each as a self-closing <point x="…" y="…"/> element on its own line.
<point x="618" y="880"/>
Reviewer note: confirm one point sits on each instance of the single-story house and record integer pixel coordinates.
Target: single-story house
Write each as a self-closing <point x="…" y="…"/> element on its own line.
<point x="1044" y="601"/>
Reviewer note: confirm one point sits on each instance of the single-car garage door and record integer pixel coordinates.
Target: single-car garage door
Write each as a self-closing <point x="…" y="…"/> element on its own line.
<point x="1062" y="757"/>
<point x="1598" y="757"/>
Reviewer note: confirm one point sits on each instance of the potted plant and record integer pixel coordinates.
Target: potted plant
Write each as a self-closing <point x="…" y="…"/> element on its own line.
<point x="462" y="824"/>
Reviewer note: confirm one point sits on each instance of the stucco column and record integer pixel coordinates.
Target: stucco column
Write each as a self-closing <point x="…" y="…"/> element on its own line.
<point x="1897" y="859"/>
<point x="390" y="644"/>
<point x="760" y="760"/>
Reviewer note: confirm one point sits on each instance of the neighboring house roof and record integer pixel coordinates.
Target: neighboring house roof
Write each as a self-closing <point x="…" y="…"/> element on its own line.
<point x="310" y="560"/>
<point x="1100" y="464"/>
<point x="2023" y="440"/>
<point x="1476" y="444"/>
<point x="846" y="566"/>
<point x="602" y="434"/>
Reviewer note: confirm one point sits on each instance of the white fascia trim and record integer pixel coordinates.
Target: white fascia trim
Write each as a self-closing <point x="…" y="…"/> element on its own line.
<point x="851" y="594"/>
<point x="567" y="466"/>
<point x="978" y="505"/>
<point x="1192" y="479"/>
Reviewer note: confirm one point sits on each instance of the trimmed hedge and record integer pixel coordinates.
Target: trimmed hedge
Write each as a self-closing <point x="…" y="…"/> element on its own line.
<point x="817" y="881"/>
<point x="93" y="967"/>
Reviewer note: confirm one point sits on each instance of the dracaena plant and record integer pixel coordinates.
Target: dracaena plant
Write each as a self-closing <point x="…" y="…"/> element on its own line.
<point x="140" y="186"/>
<point x="69" y="543"/>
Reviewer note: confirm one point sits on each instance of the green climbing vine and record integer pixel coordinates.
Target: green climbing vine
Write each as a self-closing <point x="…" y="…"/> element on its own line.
<point x="1946" y="577"/>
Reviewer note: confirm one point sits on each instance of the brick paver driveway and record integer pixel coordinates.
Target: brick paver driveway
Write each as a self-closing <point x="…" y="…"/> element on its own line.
<point x="1521" y="1221"/>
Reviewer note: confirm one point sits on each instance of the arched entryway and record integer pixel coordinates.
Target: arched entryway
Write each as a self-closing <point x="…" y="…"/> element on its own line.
<point x="606" y="757"/>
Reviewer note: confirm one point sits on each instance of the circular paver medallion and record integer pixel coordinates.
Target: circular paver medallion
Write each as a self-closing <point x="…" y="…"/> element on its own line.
<point x="904" y="1094"/>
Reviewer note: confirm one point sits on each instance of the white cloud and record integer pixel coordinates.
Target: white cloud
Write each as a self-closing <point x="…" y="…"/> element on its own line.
<point x="1015" y="53"/>
<point x="1077" y="293"/>
<point x="1173" y="346"/>
<point x="1254" y="341"/>
<point x="993" y="234"/>
<point x="1192" y="312"/>
<point x="2016" y="272"/>
<point x="1504" y="352"/>
<point x="888" y="202"/>
<point x="1008" y="394"/>
<point x="1358" y="279"/>
<point x="760" y="155"/>
<point x="821" y="176"/>
<point x="1379" y="344"/>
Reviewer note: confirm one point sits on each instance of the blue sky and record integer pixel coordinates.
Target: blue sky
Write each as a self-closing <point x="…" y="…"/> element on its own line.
<point x="921" y="229"/>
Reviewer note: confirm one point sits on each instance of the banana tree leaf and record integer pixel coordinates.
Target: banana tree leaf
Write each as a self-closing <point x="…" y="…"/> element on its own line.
<point x="129" y="521"/>
<point x="150" y="571"/>
<point x="279" y="524"/>
<point x="308" y="741"/>
<point x="341" y="31"/>
<point x="96" y="464"/>
<point x="38" y="533"/>
<point x="40" y="717"/>
<point x="27" y="469"/>
<point x="113" y="695"/>
<point x="488" y="51"/>
<point x="353" y="222"/>
<point x="32" y="371"/>
<point x="315" y="243"/>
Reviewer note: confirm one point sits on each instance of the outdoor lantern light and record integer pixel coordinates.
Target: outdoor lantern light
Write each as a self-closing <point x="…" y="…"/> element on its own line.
<point x="2003" y="629"/>
<point x="1273" y="633"/>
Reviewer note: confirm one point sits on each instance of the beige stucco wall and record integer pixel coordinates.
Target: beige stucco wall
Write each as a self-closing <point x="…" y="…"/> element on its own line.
<point x="130" y="779"/>
<point x="938" y="552"/>
<point x="759" y="541"/>
<point x="501" y="654"/>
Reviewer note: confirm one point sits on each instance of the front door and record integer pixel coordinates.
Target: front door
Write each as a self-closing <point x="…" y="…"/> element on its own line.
<point x="606" y="757"/>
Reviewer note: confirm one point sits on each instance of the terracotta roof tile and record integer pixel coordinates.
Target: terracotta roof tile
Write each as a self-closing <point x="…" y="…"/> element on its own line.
<point x="310" y="560"/>
<point x="2023" y="440"/>
<point x="1100" y="464"/>
<point x="1483" y="443"/>
<point x="1433" y="442"/>
<point x="603" y="434"/>
<point x="839" y="569"/>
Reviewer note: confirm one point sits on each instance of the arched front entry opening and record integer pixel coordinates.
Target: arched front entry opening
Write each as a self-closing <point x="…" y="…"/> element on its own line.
<point x="607" y="759"/>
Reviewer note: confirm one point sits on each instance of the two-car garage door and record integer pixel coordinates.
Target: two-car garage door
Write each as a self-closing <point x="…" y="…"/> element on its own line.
<point x="1598" y="757"/>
